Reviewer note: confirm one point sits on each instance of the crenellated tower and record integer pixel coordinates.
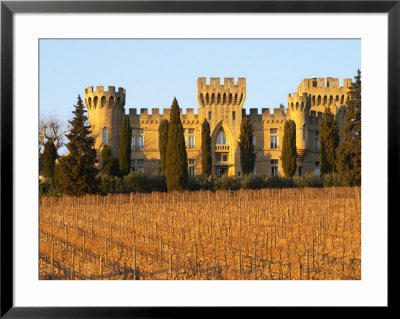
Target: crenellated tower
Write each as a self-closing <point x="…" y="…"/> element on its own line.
<point x="221" y="105"/>
<point x="298" y="111"/>
<point x="105" y="111"/>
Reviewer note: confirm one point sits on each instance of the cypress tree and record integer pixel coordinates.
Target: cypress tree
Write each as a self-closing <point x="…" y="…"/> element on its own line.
<point x="176" y="157"/>
<point x="329" y="135"/>
<point x="205" y="148"/>
<point x="246" y="146"/>
<point x="49" y="157"/>
<point x="125" y="146"/>
<point x="77" y="172"/>
<point x="110" y="165"/>
<point x="289" y="154"/>
<point x="349" y="153"/>
<point x="162" y="144"/>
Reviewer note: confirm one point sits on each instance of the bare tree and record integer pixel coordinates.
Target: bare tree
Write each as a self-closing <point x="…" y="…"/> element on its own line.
<point x="52" y="127"/>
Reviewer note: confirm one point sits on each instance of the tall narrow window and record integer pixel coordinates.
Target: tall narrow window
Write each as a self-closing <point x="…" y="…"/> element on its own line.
<point x="189" y="138"/>
<point x="105" y="136"/>
<point x="274" y="138"/>
<point x="209" y="116"/>
<point x="140" y="140"/>
<point x="233" y="115"/>
<point x="191" y="142"/>
<point x="192" y="167"/>
<point x="133" y="140"/>
<point x="304" y="132"/>
<point x="274" y="167"/>
<point x="300" y="170"/>
<point x="316" y="141"/>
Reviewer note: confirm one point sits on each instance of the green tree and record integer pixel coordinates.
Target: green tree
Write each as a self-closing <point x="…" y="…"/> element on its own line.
<point x="49" y="157"/>
<point x="77" y="172"/>
<point x="349" y="153"/>
<point x="125" y="146"/>
<point x="162" y="144"/>
<point x="329" y="135"/>
<point x="205" y="148"/>
<point x="176" y="163"/>
<point x="289" y="154"/>
<point x="246" y="146"/>
<point x="110" y="165"/>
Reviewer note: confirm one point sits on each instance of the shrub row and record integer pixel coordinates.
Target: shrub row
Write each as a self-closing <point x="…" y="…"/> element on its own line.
<point x="139" y="182"/>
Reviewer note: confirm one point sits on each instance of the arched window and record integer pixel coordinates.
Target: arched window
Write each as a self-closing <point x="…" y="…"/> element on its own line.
<point x="111" y="102"/>
<point x="201" y="99"/>
<point x="221" y="138"/>
<point x="103" y="101"/>
<point x="207" y="99"/>
<point x="105" y="136"/>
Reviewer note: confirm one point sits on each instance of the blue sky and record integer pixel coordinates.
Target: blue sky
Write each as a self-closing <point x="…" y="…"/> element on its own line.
<point x="153" y="71"/>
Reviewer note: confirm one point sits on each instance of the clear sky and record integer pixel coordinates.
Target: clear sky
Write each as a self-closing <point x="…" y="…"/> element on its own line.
<point x="153" y="71"/>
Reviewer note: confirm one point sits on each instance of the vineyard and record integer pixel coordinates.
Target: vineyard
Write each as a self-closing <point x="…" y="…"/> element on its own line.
<point x="287" y="234"/>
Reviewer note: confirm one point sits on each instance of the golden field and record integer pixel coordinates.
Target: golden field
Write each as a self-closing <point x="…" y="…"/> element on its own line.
<point x="287" y="234"/>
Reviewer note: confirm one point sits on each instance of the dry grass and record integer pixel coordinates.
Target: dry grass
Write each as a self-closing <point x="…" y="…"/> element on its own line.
<point x="261" y="234"/>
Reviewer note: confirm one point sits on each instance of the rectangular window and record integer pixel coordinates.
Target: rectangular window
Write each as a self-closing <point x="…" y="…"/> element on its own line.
<point x="233" y="115"/>
<point x="274" y="167"/>
<point x="225" y="158"/>
<point x="218" y="157"/>
<point x="191" y="142"/>
<point x="140" y="165"/>
<point x="209" y="116"/>
<point x="316" y="141"/>
<point x="274" y="138"/>
<point x="133" y="142"/>
<point x="274" y="142"/>
<point x="140" y="143"/>
<point x="191" y="131"/>
<point x="300" y="170"/>
<point x="191" y="167"/>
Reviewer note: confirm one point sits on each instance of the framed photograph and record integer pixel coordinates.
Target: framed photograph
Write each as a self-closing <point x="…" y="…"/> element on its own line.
<point x="233" y="212"/>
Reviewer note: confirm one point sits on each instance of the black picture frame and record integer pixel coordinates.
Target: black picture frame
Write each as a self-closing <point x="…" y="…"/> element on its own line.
<point x="9" y="8"/>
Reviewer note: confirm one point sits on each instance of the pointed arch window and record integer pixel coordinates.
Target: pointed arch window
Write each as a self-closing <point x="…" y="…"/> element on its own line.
<point x="221" y="138"/>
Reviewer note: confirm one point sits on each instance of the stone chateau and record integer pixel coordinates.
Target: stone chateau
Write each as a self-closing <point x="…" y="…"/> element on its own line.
<point x="222" y="105"/>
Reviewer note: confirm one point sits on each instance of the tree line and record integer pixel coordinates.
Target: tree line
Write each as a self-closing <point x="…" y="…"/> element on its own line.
<point x="75" y="173"/>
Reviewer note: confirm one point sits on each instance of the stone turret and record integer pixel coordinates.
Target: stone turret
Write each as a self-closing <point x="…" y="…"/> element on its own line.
<point x="105" y="111"/>
<point x="298" y="111"/>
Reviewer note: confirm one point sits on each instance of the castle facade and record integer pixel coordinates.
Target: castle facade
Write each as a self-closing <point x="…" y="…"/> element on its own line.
<point x="222" y="105"/>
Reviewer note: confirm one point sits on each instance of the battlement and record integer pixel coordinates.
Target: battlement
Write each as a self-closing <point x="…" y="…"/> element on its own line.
<point x="278" y="115"/>
<point x="298" y="102"/>
<point x="214" y="93"/>
<point x="99" y="98"/>
<point x="100" y="89"/>
<point x="327" y="85"/>
<point x="157" y="116"/>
